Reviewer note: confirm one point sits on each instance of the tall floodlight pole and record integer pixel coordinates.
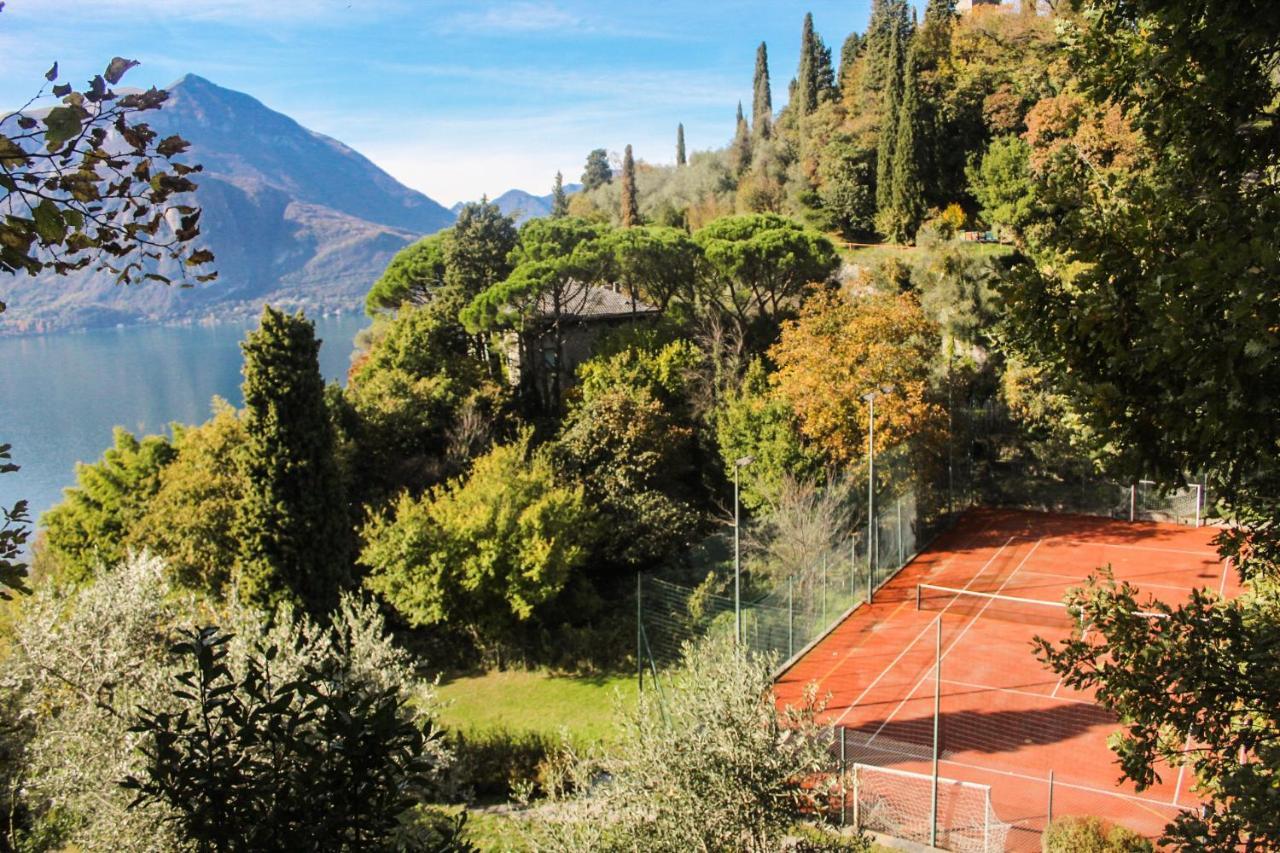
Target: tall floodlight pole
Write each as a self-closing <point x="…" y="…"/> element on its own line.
<point x="738" y="465"/>
<point x="870" y="397"/>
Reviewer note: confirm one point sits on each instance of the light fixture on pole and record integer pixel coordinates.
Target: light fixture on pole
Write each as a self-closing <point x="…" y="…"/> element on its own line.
<point x="870" y="397"/>
<point x="738" y="465"/>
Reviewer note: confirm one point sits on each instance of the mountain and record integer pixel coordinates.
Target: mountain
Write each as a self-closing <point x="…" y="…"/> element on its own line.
<point x="522" y="205"/>
<point x="294" y="217"/>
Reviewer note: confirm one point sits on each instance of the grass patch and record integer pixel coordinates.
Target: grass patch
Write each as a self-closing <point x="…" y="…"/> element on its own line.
<point x="490" y="830"/>
<point x="535" y="701"/>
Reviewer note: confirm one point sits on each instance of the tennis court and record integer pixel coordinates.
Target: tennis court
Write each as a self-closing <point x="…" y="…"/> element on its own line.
<point x="974" y="601"/>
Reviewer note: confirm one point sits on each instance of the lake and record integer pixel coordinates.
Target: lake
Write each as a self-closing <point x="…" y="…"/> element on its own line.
<point x="63" y="393"/>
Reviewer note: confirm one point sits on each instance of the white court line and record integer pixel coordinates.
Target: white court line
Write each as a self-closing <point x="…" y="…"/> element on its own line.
<point x="1079" y="580"/>
<point x="1017" y="692"/>
<point x="908" y="647"/>
<point x="1137" y="547"/>
<point x="1226" y="568"/>
<point x="956" y="641"/>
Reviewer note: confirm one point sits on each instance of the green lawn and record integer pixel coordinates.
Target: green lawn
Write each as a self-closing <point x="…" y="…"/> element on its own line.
<point x="874" y="254"/>
<point x="535" y="701"/>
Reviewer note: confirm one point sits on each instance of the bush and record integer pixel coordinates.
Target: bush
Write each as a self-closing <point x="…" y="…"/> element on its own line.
<point x="265" y="762"/>
<point x="709" y="764"/>
<point x="1092" y="835"/>
<point x="499" y="764"/>
<point x="81" y="660"/>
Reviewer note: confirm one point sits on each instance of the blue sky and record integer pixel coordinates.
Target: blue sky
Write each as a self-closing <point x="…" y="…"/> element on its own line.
<point x="454" y="99"/>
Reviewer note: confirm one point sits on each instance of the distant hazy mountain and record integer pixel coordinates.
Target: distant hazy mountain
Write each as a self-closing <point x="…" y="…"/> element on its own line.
<point x="294" y="218"/>
<point x="523" y="205"/>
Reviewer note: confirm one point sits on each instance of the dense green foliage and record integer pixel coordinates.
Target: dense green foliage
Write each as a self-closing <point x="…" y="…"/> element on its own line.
<point x="90" y="529"/>
<point x="414" y="276"/>
<point x="254" y="762"/>
<point x="482" y="552"/>
<point x="598" y="172"/>
<point x="292" y="527"/>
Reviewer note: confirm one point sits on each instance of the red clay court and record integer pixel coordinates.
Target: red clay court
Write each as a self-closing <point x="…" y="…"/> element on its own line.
<point x="1005" y="720"/>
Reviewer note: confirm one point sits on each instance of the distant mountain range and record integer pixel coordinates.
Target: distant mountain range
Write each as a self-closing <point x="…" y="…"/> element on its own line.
<point x="294" y="217"/>
<point x="522" y="205"/>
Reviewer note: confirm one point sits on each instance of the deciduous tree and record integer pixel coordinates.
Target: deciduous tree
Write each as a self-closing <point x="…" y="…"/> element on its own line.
<point x="483" y="552"/>
<point x="838" y="350"/>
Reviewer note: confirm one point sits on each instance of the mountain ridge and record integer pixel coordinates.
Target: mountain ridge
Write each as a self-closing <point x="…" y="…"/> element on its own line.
<point x="294" y="217"/>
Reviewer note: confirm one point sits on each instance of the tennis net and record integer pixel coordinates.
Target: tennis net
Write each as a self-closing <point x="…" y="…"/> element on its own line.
<point x="992" y="605"/>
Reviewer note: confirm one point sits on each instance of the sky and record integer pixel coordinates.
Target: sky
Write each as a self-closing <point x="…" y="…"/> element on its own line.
<point x="455" y="99"/>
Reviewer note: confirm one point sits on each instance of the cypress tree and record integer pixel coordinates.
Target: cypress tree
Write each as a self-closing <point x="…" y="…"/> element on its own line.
<point x="630" y="206"/>
<point x="740" y="151"/>
<point x="559" y="200"/>
<point x="762" y="100"/>
<point x="815" y="78"/>
<point x="907" y="201"/>
<point x="892" y="100"/>
<point x="292" y="524"/>
<point x="806" y="91"/>
<point x="681" y="160"/>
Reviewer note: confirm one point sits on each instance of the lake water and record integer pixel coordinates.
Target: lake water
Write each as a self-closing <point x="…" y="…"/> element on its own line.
<point x="61" y="395"/>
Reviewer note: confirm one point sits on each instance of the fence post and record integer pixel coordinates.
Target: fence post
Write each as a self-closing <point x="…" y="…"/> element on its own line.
<point x="1050" y="820"/>
<point x="1199" y="501"/>
<point x="1133" y="502"/>
<point x="843" y="772"/>
<point x="902" y="555"/>
<point x="937" y="701"/>
<point x="639" y="631"/>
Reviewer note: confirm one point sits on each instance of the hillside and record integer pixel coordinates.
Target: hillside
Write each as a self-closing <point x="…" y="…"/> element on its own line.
<point x="293" y="216"/>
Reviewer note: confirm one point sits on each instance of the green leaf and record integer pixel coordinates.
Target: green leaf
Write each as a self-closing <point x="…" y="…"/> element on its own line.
<point x="50" y="225"/>
<point x="61" y="124"/>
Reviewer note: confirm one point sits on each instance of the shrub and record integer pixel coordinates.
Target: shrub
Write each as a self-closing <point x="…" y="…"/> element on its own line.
<point x="261" y="762"/>
<point x="1092" y="835"/>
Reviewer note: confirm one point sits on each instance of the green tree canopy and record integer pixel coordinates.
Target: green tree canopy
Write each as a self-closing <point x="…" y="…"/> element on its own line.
<point x="654" y="263"/>
<point x="415" y="275"/>
<point x="559" y="200"/>
<point x="190" y="520"/>
<point x="93" y="526"/>
<point x="759" y="264"/>
<point x="483" y="552"/>
<point x="476" y="254"/>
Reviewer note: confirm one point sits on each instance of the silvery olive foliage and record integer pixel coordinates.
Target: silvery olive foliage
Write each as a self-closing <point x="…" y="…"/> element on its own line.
<point x="708" y="763"/>
<point x="82" y="661"/>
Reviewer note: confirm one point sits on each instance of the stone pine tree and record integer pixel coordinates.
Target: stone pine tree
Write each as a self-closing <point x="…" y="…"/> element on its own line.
<point x="681" y="159"/>
<point x="762" y="98"/>
<point x="906" y="200"/>
<point x="292" y="524"/>
<point x="630" y="204"/>
<point x="597" y="173"/>
<point x="891" y="101"/>
<point x="559" y="199"/>
<point x="740" y="150"/>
